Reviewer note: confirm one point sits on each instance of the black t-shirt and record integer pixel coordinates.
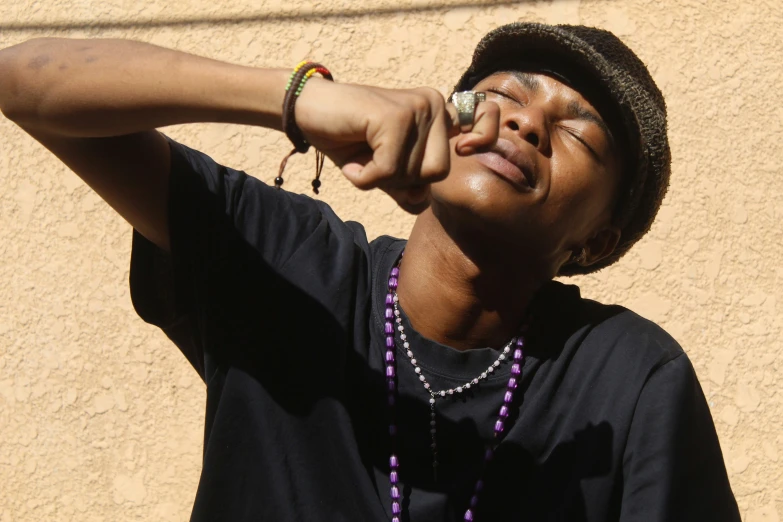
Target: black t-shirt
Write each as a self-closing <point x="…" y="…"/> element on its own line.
<point x="278" y="304"/>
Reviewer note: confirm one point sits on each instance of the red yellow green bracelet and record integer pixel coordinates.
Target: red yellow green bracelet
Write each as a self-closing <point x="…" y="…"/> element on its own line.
<point x="296" y="82"/>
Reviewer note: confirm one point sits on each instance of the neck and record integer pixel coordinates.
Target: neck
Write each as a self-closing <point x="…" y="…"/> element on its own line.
<point x="460" y="292"/>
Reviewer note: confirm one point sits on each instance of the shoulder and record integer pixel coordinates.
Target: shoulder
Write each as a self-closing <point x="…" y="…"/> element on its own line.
<point x="628" y="332"/>
<point x="609" y="333"/>
<point x="235" y="217"/>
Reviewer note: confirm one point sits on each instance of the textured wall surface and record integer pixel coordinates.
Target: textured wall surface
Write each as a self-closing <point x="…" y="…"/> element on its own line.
<point x="101" y="418"/>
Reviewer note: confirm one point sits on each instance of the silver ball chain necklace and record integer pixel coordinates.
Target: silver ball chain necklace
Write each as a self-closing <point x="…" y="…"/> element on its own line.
<point x="393" y="315"/>
<point x="434" y="394"/>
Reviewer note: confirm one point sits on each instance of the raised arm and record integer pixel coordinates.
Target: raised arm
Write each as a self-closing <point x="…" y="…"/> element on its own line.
<point x="96" y="104"/>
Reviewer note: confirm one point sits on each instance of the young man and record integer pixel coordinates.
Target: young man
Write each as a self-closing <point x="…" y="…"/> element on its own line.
<point x="344" y="383"/>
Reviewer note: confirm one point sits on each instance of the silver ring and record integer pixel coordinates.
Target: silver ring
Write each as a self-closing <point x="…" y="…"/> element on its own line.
<point x="465" y="103"/>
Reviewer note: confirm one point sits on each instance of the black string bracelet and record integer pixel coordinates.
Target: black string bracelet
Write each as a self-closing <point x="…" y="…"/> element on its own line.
<point x="302" y="72"/>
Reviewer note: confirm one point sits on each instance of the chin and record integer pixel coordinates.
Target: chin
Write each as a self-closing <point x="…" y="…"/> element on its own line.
<point x="483" y="199"/>
<point x="479" y="210"/>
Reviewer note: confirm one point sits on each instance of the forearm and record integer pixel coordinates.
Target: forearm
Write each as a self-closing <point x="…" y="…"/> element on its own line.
<point x="98" y="88"/>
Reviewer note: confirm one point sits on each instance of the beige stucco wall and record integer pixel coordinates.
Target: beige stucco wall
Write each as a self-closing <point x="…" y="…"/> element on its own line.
<point x="101" y="417"/>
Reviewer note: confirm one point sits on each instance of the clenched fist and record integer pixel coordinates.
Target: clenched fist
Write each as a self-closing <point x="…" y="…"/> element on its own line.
<point x="397" y="140"/>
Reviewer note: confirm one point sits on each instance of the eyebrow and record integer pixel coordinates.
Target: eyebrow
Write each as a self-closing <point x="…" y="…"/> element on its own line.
<point x="527" y="80"/>
<point x="578" y="112"/>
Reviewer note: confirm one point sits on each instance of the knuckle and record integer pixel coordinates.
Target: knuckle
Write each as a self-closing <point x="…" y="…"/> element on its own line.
<point x="433" y="95"/>
<point x="421" y="104"/>
<point x="387" y="169"/>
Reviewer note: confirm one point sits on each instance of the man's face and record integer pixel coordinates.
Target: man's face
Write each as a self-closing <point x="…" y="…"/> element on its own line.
<point x="548" y="186"/>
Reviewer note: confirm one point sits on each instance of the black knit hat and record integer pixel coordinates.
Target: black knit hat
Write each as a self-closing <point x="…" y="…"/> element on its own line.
<point x="625" y="94"/>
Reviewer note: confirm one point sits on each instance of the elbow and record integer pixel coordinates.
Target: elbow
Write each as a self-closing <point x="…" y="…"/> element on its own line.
<point x="9" y="82"/>
<point x="19" y="81"/>
<point x="10" y="106"/>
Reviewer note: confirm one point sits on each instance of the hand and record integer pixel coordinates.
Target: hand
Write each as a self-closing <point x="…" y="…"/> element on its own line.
<point x="393" y="139"/>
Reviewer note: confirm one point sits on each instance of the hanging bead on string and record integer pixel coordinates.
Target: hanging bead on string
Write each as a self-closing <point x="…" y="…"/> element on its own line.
<point x="499" y="429"/>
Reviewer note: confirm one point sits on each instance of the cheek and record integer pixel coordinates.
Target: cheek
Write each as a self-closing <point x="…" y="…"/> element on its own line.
<point x="581" y="197"/>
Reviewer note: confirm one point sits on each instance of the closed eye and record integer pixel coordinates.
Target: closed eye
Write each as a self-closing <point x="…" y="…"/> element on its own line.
<point x="578" y="137"/>
<point x="504" y="94"/>
<point x="495" y="91"/>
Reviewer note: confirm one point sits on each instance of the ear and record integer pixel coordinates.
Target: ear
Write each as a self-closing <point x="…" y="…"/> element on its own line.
<point x="600" y="246"/>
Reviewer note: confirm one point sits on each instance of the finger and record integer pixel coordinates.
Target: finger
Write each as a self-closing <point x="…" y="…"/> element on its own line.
<point x="486" y="127"/>
<point x="353" y="163"/>
<point x="453" y="123"/>
<point x="436" y="162"/>
<point x="425" y="163"/>
<point x="427" y="106"/>
<point x="389" y="141"/>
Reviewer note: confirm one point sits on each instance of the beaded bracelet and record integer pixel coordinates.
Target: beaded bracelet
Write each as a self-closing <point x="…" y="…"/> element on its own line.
<point x="302" y="72"/>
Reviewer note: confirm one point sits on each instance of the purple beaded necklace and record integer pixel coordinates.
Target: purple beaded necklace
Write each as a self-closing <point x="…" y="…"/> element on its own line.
<point x="391" y="373"/>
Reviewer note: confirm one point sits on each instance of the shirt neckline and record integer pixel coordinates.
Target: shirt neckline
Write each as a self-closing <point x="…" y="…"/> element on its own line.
<point x="437" y="359"/>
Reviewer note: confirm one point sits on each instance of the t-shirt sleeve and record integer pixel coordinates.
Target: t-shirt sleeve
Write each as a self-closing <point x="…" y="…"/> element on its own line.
<point x="231" y="238"/>
<point x="673" y="466"/>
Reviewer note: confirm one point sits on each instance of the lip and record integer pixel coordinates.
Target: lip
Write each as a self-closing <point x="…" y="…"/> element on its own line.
<point x="510" y="163"/>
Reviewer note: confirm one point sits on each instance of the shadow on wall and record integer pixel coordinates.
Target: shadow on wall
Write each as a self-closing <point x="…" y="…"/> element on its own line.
<point x="293" y="16"/>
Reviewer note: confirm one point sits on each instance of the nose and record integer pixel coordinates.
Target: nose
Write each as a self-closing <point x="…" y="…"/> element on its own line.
<point x="530" y="124"/>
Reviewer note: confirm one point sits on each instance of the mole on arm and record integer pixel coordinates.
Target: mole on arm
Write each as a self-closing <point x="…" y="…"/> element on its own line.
<point x="39" y="62"/>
